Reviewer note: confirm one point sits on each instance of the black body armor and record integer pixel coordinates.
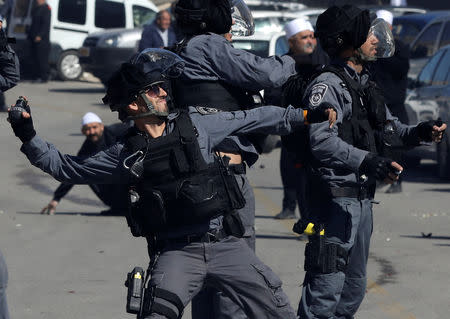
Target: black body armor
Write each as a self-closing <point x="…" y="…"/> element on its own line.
<point x="216" y="94"/>
<point x="177" y="187"/>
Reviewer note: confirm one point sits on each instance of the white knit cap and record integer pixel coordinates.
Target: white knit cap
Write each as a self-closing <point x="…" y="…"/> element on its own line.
<point x="386" y="16"/>
<point x="90" y="117"/>
<point x="296" y="26"/>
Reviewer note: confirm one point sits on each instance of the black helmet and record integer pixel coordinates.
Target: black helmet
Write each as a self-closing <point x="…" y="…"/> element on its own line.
<point x="151" y="66"/>
<point x="201" y="16"/>
<point x="341" y="27"/>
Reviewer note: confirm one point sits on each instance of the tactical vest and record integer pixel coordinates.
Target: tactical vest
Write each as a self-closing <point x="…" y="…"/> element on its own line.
<point x="216" y="94"/>
<point x="177" y="186"/>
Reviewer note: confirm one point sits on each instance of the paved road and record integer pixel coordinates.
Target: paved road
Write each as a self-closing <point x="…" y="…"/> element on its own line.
<point x="73" y="264"/>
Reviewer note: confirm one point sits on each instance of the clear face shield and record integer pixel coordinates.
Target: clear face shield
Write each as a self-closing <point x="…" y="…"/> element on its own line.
<point x="243" y="24"/>
<point x="380" y="34"/>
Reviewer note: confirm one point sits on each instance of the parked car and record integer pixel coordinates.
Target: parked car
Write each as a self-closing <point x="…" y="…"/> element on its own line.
<point x="71" y="21"/>
<point x="273" y="5"/>
<point x="429" y="98"/>
<point x="434" y="33"/>
<point x="274" y="21"/>
<point x="263" y="44"/>
<point x="102" y="52"/>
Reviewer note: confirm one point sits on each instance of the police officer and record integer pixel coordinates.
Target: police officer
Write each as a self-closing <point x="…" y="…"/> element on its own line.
<point x="9" y="77"/>
<point x="220" y="76"/>
<point x="346" y="161"/>
<point x="98" y="137"/>
<point x="181" y="193"/>
<point x="39" y="37"/>
<point x="9" y="67"/>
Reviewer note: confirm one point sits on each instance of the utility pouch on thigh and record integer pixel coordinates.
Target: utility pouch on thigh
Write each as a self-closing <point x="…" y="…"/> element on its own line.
<point x="200" y="199"/>
<point x="233" y="225"/>
<point x="324" y="257"/>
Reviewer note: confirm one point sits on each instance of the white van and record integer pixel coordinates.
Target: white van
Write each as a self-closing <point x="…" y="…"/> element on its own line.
<point x="72" y="21"/>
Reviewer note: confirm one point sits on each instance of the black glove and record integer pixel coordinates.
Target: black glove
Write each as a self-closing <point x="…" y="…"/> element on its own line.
<point x="23" y="128"/>
<point x="376" y="166"/>
<point x="319" y="114"/>
<point x="425" y="129"/>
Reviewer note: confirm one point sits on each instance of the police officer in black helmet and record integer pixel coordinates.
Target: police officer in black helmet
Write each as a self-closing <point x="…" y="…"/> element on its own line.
<point x="220" y="76"/>
<point x="182" y="194"/>
<point x="347" y="160"/>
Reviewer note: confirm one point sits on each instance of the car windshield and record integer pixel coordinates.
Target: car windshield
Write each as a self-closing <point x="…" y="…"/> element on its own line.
<point x="267" y="25"/>
<point x="257" y="47"/>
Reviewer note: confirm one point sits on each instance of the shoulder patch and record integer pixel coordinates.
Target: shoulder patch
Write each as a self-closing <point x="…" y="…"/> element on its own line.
<point x="206" y="110"/>
<point x="317" y="93"/>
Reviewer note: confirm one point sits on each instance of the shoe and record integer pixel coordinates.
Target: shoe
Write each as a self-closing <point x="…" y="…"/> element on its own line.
<point x="394" y="188"/>
<point x="286" y="213"/>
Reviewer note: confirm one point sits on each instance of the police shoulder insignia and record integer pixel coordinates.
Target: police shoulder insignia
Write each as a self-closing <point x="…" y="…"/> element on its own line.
<point x="317" y="93"/>
<point x="206" y="110"/>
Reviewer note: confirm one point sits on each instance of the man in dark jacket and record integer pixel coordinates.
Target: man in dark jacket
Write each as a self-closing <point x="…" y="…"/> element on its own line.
<point x="308" y="56"/>
<point x="98" y="137"/>
<point x="39" y="36"/>
<point x="158" y="34"/>
<point x="391" y="75"/>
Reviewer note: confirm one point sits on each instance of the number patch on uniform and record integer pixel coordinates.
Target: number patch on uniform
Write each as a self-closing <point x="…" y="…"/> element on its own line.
<point x="317" y="93"/>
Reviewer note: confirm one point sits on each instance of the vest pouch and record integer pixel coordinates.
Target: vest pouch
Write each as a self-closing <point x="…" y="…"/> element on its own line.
<point x="201" y="199"/>
<point x="150" y="211"/>
<point x="237" y="200"/>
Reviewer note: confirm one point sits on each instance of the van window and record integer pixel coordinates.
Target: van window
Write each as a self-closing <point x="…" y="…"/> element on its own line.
<point x="21" y="8"/>
<point x="445" y="36"/>
<point x="427" y="72"/>
<point x="71" y="11"/>
<point x="109" y="14"/>
<point x="142" y="15"/>
<point x="441" y="75"/>
<point x="425" y="44"/>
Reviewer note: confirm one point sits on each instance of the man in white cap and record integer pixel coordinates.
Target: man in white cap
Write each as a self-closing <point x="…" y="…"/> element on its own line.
<point x="98" y="137"/>
<point x="308" y="56"/>
<point x="300" y="35"/>
<point x="391" y="75"/>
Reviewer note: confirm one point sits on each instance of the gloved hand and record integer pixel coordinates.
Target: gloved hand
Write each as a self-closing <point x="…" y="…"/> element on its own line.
<point x="21" y="122"/>
<point x="323" y="112"/>
<point x="378" y="167"/>
<point x="431" y="131"/>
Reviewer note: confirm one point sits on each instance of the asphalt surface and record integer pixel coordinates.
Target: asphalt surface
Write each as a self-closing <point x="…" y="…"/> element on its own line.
<point x="73" y="264"/>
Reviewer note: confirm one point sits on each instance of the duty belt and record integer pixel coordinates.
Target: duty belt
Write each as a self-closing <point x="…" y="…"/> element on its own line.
<point x="208" y="237"/>
<point x="353" y="192"/>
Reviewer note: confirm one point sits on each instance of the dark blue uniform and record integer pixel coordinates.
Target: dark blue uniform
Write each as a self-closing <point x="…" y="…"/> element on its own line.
<point x="228" y="264"/>
<point x="347" y="220"/>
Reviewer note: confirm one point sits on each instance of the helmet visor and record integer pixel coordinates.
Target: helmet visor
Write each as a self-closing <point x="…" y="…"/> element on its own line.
<point x="159" y="61"/>
<point x="243" y="24"/>
<point x="380" y="33"/>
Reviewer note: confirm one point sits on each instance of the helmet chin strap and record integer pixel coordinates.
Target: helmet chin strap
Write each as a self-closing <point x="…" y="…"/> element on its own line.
<point x="151" y="110"/>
